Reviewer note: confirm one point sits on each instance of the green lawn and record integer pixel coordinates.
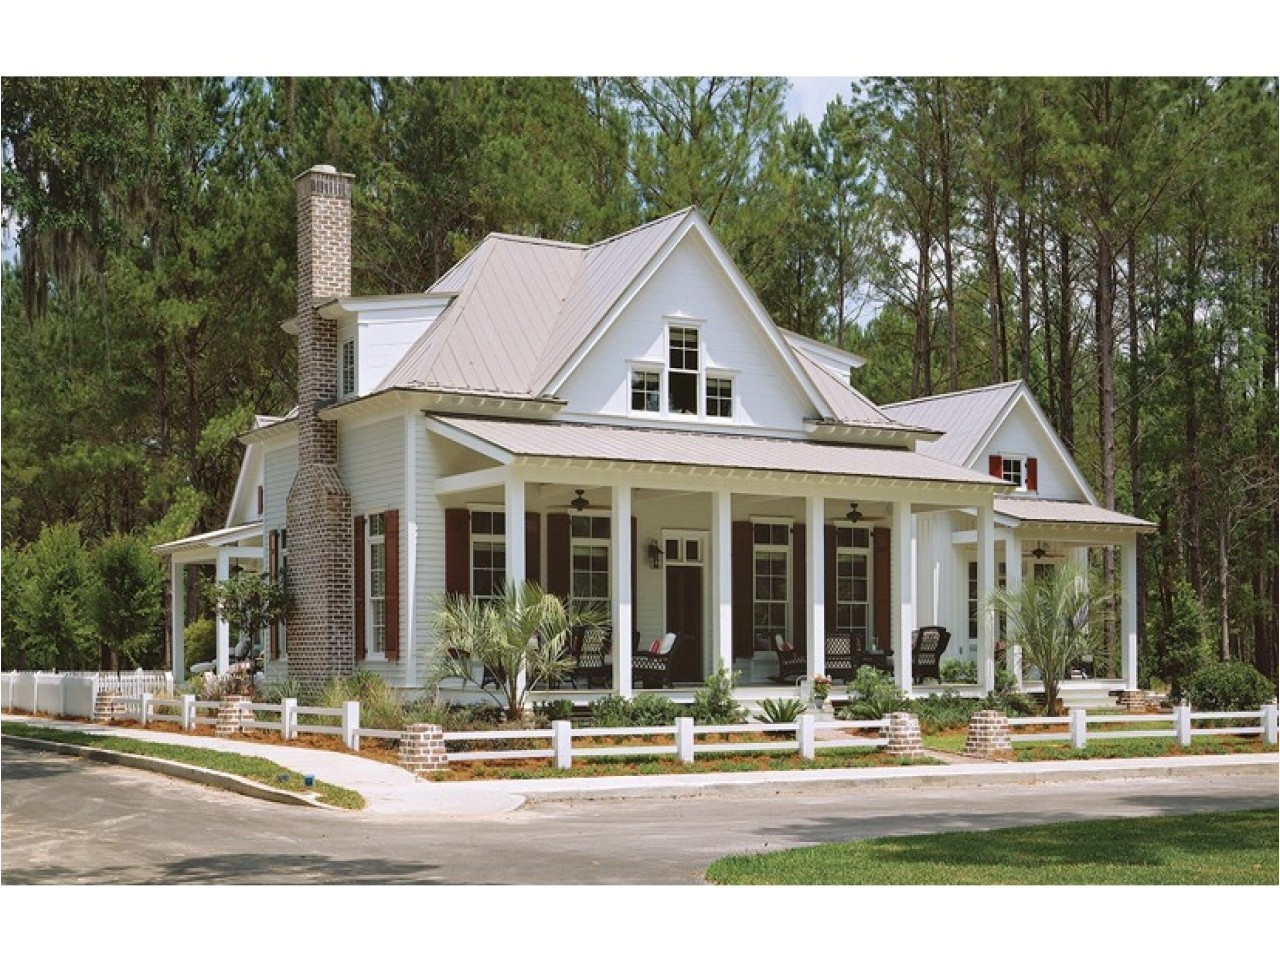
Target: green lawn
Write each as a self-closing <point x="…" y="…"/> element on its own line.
<point x="252" y="768"/>
<point x="1213" y="848"/>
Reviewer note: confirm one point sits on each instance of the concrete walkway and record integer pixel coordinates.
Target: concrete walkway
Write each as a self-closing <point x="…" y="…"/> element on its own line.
<point x="391" y="791"/>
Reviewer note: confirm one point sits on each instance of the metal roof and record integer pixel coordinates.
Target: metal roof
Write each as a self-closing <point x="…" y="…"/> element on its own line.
<point x="1036" y="510"/>
<point x="963" y="417"/>
<point x="214" y="538"/>
<point x="577" y="441"/>
<point x="846" y="403"/>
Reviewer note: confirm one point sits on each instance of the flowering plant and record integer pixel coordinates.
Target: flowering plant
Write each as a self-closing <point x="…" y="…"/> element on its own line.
<point x="821" y="686"/>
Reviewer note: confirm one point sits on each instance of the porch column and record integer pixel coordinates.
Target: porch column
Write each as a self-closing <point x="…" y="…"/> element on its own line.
<point x="222" y="630"/>
<point x="902" y="591"/>
<point x="178" y="616"/>
<point x="815" y="584"/>
<point x="722" y="577"/>
<point x="1129" y="611"/>
<point x="513" y="505"/>
<point x="1013" y="582"/>
<point x="986" y="584"/>
<point x="620" y="570"/>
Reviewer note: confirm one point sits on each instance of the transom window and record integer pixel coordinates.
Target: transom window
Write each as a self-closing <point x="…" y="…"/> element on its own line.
<point x="682" y="370"/>
<point x="771" y="563"/>
<point x="646" y="391"/>
<point x="853" y="579"/>
<point x="347" y="369"/>
<point x="719" y="397"/>
<point x="589" y="563"/>
<point x="377" y="586"/>
<point x="488" y="554"/>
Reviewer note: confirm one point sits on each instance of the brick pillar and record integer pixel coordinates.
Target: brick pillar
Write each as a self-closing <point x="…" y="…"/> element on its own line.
<point x="904" y="735"/>
<point x="107" y="706"/>
<point x="233" y="710"/>
<point x="321" y="627"/>
<point x="988" y="735"/>
<point x="422" y="749"/>
<point x="1139" y="701"/>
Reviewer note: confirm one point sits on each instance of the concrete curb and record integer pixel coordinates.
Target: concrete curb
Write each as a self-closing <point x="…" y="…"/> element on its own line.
<point x="170" y="768"/>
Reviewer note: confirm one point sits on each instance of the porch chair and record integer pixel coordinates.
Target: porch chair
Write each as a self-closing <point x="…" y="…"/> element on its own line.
<point x="793" y="661"/>
<point x="840" y="661"/>
<point x="592" y="644"/>
<point x="652" y="667"/>
<point x="927" y="646"/>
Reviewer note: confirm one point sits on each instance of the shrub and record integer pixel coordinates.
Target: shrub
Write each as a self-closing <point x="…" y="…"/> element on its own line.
<point x="289" y="689"/>
<point x="959" y="671"/>
<point x="380" y="708"/>
<point x="550" y="710"/>
<point x="651" y="710"/>
<point x="781" y="711"/>
<point x="714" y="703"/>
<point x="123" y="601"/>
<point x="48" y="608"/>
<point x="873" y="695"/>
<point x="944" y="711"/>
<point x="200" y="642"/>
<point x="1186" y="639"/>
<point x="1229" y="686"/>
<point x="611" y="710"/>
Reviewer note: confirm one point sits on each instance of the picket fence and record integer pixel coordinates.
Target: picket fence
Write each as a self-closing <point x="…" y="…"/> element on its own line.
<point x="73" y="694"/>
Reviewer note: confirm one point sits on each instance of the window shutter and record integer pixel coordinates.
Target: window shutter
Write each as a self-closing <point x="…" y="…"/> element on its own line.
<point x="457" y="552"/>
<point x="880" y="593"/>
<point x="391" y="604"/>
<point x="634" y="605"/>
<point x="558" y="555"/>
<point x="273" y="569"/>
<point x="1033" y="481"/>
<point x="829" y="587"/>
<point x="359" y="591"/>
<point x="799" y="592"/>
<point x="259" y="499"/>
<point x="533" y="547"/>
<point x="743" y="577"/>
<point x="995" y="466"/>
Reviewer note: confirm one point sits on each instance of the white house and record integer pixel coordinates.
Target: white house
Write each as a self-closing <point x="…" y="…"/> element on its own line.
<point x="664" y="449"/>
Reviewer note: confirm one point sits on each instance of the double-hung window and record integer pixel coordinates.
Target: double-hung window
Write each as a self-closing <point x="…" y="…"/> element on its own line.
<point x="488" y="554"/>
<point x="771" y="562"/>
<point x="347" y="368"/>
<point x="719" y="397"/>
<point x="853" y="579"/>
<point x="646" y="390"/>
<point x="682" y="370"/>
<point x="589" y="553"/>
<point x="376" y="545"/>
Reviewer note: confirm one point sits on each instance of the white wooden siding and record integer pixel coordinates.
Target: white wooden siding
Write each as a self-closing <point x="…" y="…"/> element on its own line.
<point x="1022" y="434"/>
<point x="380" y="346"/>
<point x="280" y="467"/>
<point x="430" y="562"/>
<point x="689" y="284"/>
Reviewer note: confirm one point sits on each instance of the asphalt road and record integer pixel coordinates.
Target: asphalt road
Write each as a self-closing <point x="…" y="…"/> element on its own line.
<point x="66" y="820"/>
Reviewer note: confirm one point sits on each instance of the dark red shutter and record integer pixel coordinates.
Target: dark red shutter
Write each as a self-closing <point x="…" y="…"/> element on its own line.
<point x="259" y="499"/>
<point x="1033" y="481"/>
<point x="359" y="591"/>
<point x="995" y="466"/>
<point x="391" y="602"/>
<point x="558" y="555"/>
<point x="799" y="587"/>
<point x="743" y="578"/>
<point x="273" y="572"/>
<point x="829" y="569"/>
<point x="457" y="552"/>
<point x="533" y="547"/>
<point x="880" y="595"/>
<point x="634" y="550"/>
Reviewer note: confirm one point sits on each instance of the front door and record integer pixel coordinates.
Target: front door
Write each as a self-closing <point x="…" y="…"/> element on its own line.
<point x="684" y="616"/>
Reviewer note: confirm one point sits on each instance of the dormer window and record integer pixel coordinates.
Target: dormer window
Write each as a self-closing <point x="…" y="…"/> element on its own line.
<point x="1018" y="470"/>
<point x="720" y="397"/>
<point x="1012" y="470"/>
<point x="682" y="370"/>
<point x="347" y="368"/>
<point x="646" y="390"/>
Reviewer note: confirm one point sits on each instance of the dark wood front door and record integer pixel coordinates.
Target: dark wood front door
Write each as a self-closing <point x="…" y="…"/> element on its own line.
<point x="684" y="616"/>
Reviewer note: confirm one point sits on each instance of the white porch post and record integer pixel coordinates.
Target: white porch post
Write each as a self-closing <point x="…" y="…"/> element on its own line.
<point x="222" y="572"/>
<point x="1013" y="582"/>
<point x="513" y="505"/>
<point x="722" y="577"/>
<point x="178" y="616"/>
<point x="815" y="583"/>
<point x="902" y="590"/>
<point x="620" y="570"/>
<point x="1129" y="611"/>
<point x="986" y="584"/>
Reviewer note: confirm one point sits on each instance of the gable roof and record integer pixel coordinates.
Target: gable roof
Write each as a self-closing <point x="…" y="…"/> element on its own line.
<point x="964" y="417"/>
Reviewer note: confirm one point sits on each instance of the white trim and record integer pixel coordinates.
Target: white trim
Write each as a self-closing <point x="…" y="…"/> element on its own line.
<point x="409" y="549"/>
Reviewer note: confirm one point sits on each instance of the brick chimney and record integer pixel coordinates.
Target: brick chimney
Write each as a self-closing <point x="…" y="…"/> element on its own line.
<point x="321" y="629"/>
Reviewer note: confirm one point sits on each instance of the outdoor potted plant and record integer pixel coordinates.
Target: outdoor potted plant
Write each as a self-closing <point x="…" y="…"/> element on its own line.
<point x="821" y="689"/>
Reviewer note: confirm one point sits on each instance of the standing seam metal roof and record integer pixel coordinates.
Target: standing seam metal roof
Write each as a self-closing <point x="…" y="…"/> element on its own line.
<point x="964" y="417"/>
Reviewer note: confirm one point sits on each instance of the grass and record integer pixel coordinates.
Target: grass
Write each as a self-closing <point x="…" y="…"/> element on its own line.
<point x="1214" y="848"/>
<point x="251" y="768"/>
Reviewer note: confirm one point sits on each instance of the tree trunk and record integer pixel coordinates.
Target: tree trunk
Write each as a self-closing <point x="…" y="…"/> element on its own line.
<point x="1224" y="586"/>
<point x="1105" y="337"/>
<point x="1066" y="378"/>
<point x="1135" y="437"/>
<point x="1191" y="369"/>
<point x="1024" y="254"/>
<point x="922" y="361"/>
<point x="994" y="309"/>
<point x="1046" y="311"/>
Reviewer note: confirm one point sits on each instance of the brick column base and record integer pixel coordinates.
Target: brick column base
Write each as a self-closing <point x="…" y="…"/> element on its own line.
<point x="107" y="706"/>
<point x="1139" y="701"/>
<point x="233" y="710"/>
<point x="904" y="735"/>
<point x="988" y="735"/>
<point x="422" y="749"/>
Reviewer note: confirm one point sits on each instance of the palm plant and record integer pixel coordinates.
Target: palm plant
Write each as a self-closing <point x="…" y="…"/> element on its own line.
<point x="522" y="639"/>
<point x="1057" y="620"/>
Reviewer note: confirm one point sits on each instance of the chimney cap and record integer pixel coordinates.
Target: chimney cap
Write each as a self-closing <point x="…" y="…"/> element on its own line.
<point x="325" y="168"/>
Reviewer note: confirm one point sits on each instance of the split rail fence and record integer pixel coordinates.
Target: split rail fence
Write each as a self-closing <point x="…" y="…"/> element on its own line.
<point x="1183" y="724"/>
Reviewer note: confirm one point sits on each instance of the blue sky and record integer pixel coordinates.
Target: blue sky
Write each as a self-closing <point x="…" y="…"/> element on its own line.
<point x="810" y="95"/>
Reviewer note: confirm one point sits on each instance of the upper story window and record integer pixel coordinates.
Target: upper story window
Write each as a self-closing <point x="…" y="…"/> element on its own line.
<point x="1016" y="469"/>
<point x="1013" y="470"/>
<point x="646" y="391"/>
<point x="720" y="397"/>
<point x="347" y="368"/>
<point x="683" y="368"/>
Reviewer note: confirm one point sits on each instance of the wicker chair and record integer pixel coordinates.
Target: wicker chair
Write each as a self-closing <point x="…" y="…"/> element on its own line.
<point x="654" y="669"/>
<point x="792" y="663"/>
<point x="841" y="664"/>
<point x="589" y="665"/>
<point x="927" y="646"/>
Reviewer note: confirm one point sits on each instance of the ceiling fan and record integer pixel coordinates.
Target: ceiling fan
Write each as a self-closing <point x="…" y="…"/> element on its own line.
<point x="580" y="502"/>
<point x="857" y="516"/>
<point x="1040" y="552"/>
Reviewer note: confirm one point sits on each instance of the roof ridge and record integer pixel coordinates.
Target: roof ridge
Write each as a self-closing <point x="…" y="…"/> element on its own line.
<point x="954" y="393"/>
<point x="643" y="226"/>
<point x="538" y="241"/>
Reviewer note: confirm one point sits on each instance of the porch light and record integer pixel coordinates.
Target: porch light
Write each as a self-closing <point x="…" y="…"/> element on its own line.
<point x="655" y="555"/>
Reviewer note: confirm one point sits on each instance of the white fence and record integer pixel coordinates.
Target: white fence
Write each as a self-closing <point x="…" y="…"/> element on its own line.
<point x="1181" y="725"/>
<point x="130" y="683"/>
<point x="73" y="694"/>
<point x="683" y="735"/>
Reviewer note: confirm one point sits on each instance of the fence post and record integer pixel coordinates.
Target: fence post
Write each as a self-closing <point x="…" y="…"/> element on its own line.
<point x="804" y="736"/>
<point x="289" y="718"/>
<point x="1078" y="727"/>
<point x="144" y="706"/>
<point x="1269" y="718"/>
<point x="188" y="711"/>
<point x="562" y="743"/>
<point x="684" y="739"/>
<point x="168" y="683"/>
<point x="1182" y="723"/>
<point x="351" y="720"/>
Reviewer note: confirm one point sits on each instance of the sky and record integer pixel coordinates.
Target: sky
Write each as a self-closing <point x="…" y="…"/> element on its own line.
<point x="810" y="95"/>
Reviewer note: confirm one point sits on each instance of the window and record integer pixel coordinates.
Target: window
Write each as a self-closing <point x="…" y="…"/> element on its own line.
<point x="488" y="554"/>
<point x="771" y="563"/>
<point x="646" y="391"/>
<point x="282" y="574"/>
<point x="853" y="579"/>
<point x="682" y="370"/>
<point x="1013" y="470"/>
<point x="347" y="369"/>
<point x="719" y="397"/>
<point x="589" y="560"/>
<point x="376" y="585"/>
<point x="973" y="599"/>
